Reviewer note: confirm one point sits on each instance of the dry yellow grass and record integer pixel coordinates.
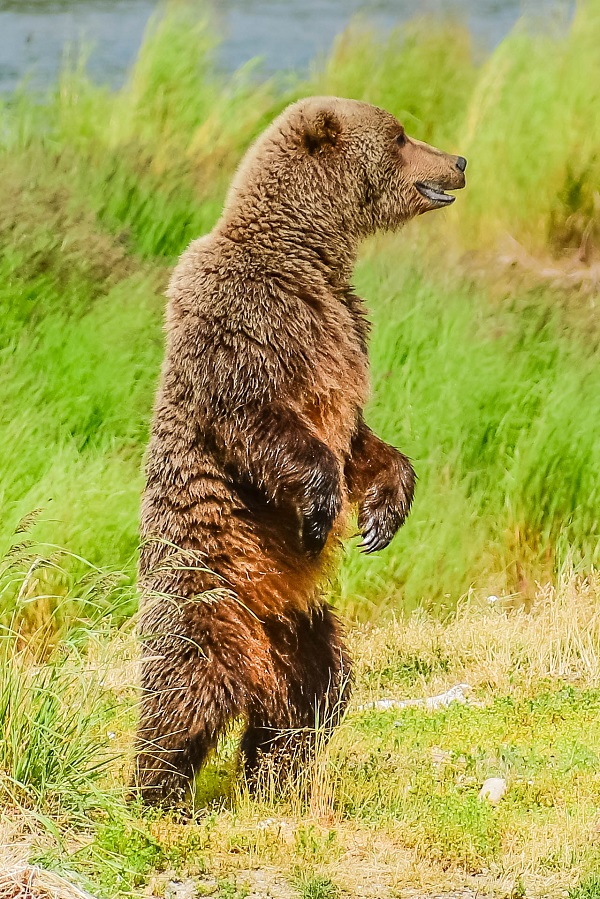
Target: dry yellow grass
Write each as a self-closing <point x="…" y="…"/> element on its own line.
<point x="390" y="806"/>
<point x="30" y="882"/>
<point x="493" y="645"/>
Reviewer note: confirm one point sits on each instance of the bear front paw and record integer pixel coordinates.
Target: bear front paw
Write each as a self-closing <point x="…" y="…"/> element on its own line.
<point x="322" y="504"/>
<point x="386" y="504"/>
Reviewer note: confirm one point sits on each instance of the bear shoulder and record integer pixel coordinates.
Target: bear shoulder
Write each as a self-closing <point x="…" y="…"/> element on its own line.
<point x="238" y="331"/>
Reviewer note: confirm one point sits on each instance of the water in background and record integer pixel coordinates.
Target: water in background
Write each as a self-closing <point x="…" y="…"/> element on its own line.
<point x="286" y="34"/>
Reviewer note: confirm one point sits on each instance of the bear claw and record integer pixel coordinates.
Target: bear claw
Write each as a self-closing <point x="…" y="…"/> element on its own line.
<point x="376" y="536"/>
<point x="383" y="512"/>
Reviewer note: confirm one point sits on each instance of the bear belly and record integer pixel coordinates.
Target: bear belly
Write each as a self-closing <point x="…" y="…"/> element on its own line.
<point x="209" y="536"/>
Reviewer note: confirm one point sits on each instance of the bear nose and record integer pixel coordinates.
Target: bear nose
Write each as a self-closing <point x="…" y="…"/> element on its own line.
<point x="461" y="163"/>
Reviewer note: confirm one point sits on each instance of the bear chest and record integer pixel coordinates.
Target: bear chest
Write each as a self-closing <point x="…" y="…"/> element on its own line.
<point x="339" y="386"/>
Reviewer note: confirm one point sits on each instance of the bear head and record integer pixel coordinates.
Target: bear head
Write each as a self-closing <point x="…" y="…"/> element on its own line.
<point x="339" y="166"/>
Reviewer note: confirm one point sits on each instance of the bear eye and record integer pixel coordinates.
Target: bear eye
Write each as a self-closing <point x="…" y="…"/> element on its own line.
<point x="401" y="139"/>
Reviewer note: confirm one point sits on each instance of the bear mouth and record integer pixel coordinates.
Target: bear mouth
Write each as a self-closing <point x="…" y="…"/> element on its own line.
<point x="434" y="193"/>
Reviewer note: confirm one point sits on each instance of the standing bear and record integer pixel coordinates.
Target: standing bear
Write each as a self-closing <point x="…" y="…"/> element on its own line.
<point x="259" y="449"/>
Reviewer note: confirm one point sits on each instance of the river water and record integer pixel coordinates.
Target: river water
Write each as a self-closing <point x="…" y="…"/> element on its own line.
<point x="286" y="34"/>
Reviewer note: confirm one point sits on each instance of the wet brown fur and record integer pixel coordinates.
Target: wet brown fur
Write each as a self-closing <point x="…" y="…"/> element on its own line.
<point x="258" y="445"/>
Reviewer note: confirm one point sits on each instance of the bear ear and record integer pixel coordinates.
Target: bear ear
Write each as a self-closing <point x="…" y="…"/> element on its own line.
<point x="321" y="132"/>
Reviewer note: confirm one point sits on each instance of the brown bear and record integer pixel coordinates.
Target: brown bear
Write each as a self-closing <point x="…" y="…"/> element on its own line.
<point x="259" y="448"/>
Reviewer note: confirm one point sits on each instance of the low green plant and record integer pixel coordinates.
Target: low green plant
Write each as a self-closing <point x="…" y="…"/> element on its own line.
<point x="587" y="889"/>
<point x="315" y="886"/>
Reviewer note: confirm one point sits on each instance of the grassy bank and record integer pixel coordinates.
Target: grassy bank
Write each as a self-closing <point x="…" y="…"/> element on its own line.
<point x="391" y="807"/>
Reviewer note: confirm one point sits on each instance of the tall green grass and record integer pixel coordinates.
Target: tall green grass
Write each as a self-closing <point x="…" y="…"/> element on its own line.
<point x="55" y="746"/>
<point x="56" y="721"/>
<point x="534" y="137"/>
<point x="495" y="400"/>
<point x="499" y="411"/>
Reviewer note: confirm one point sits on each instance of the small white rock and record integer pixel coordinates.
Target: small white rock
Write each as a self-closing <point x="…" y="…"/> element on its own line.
<point x="181" y="889"/>
<point x="459" y="693"/>
<point x="493" y="789"/>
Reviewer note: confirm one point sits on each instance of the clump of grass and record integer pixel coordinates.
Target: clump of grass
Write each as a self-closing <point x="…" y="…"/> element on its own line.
<point x="531" y="137"/>
<point x="56" y="596"/>
<point x="315" y="886"/>
<point x="55" y="748"/>
<point x="58" y="716"/>
<point x="587" y="889"/>
<point x="489" y="403"/>
<point x="423" y="72"/>
<point x="29" y="882"/>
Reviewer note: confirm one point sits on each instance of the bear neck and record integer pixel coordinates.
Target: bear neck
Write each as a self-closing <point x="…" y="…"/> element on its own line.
<point x="283" y="234"/>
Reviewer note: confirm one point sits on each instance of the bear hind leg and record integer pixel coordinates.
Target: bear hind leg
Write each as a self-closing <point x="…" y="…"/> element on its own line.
<point x="179" y="726"/>
<point x="313" y="671"/>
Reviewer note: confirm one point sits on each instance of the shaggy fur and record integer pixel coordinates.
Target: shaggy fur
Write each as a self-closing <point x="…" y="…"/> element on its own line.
<point x="258" y="444"/>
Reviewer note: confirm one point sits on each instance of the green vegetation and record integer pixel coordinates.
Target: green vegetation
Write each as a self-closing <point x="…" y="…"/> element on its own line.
<point x="484" y="356"/>
<point x="317" y="888"/>
<point x="588" y="889"/>
<point x="495" y="398"/>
